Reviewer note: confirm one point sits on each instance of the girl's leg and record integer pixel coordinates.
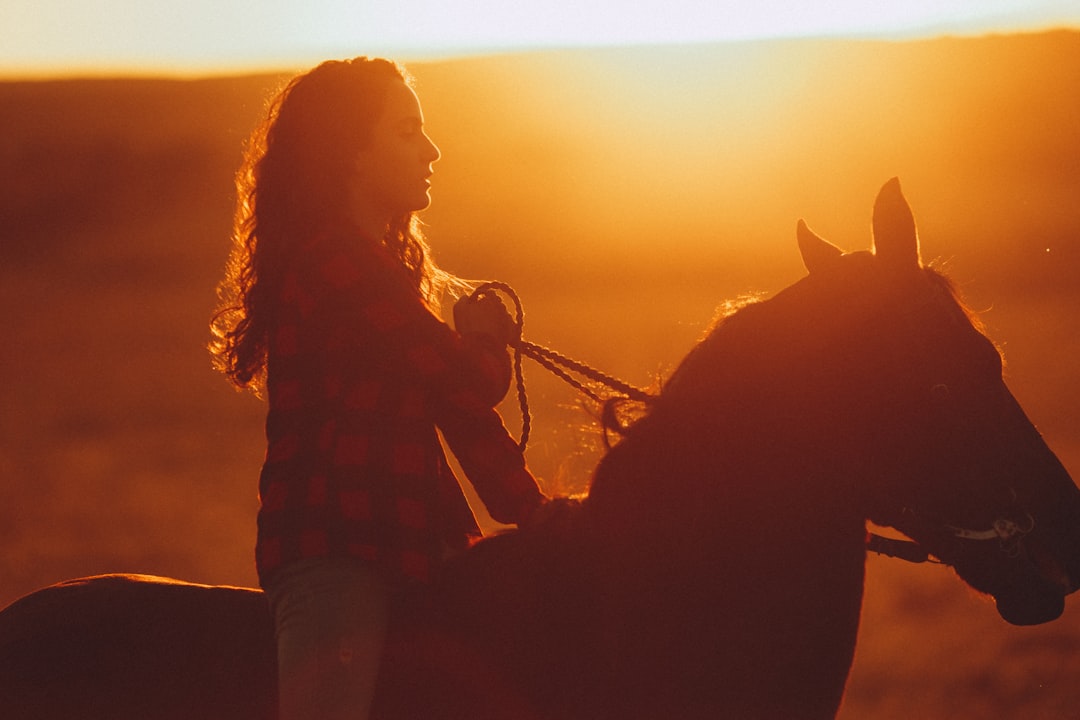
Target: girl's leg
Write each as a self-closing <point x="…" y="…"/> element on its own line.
<point x="331" y="617"/>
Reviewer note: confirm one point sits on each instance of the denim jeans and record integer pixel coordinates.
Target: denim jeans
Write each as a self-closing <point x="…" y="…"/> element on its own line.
<point x="330" y="616"/>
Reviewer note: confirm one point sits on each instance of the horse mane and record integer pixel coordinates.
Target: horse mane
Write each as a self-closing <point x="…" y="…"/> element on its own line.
<point x="734" y="323"/>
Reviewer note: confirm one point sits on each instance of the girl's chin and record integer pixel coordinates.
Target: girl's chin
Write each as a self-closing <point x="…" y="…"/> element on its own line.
<point x="404" y="202"/>
<point x="422" y="202"/>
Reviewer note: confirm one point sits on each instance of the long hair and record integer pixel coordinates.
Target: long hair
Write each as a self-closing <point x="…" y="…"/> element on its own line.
<point x="294" y="180"/>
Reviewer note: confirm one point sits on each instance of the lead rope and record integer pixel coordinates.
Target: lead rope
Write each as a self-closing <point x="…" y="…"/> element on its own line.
<point x="556" y="363"/>
<point x="561" y="366"/>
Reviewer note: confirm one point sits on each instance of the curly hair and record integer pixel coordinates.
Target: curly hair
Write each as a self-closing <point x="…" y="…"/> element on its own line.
<point x="295" y="179"/>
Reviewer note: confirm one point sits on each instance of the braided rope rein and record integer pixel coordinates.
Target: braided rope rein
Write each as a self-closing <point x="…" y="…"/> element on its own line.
<point x="556" y="363"/>
<point x="561" y="366"/>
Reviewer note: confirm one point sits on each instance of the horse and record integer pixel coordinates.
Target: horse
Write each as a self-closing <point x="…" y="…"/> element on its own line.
<point x="716" y="565"/>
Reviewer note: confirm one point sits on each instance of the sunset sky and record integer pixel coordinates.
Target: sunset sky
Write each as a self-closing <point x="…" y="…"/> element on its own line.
<point x="58" y="37"/>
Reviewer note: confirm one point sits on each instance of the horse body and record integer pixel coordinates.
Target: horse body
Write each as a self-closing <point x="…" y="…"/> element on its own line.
<point x="716" y="566"/>
<point x="131" y="646"/>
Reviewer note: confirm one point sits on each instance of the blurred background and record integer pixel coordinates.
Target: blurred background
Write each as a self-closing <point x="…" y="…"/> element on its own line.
<point x="625" y="189"/>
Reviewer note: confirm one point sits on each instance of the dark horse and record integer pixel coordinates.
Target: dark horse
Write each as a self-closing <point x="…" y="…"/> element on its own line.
<point x="716" y="567"/>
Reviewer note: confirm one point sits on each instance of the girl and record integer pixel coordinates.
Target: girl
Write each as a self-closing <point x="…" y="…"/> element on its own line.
<point x="328" y="305"/>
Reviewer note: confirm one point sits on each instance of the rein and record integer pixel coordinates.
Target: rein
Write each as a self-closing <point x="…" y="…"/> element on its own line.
<point x="554" y="362"/>
<point x="563" y="367"/>
<point x="908" y="550"/>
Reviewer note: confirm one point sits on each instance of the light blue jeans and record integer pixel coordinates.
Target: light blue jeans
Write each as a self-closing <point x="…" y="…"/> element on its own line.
<point x="330" y="617"/>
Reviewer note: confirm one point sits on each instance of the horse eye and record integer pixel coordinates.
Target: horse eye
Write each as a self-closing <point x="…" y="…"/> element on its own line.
<point x="939" y="392"/>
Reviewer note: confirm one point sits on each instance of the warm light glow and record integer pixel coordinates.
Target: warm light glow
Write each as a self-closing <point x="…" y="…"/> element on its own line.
<point x="199" y="36"/>
<point x="623" y="192"/>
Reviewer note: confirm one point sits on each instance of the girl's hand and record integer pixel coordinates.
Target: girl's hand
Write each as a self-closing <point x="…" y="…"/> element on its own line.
<point x="485" y="315"/>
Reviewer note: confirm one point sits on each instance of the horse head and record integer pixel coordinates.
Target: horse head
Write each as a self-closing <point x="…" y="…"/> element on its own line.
<point x="944" y="452"/>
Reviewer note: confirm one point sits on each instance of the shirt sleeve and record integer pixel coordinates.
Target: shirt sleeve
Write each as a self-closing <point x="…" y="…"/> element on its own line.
<point x="373" y="307"/>
<point x="490" y="458"/>
<point x="369" y="305"/>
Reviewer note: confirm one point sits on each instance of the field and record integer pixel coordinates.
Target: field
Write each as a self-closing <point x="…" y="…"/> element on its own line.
<point x="625" y="194"/>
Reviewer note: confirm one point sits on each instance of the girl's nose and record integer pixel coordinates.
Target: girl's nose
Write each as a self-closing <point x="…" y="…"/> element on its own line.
<point x="433" y="150"/>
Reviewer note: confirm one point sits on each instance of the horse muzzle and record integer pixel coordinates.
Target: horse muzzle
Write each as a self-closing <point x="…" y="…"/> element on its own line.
<point x="1030" y="604"/>
<point x="1040" y="598"/>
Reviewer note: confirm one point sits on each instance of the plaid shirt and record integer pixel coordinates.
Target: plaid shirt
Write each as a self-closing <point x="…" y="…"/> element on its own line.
<point x="360" y="373"/>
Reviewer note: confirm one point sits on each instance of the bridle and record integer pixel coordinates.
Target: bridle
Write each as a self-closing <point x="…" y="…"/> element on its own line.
<point x="1008" y="532"/>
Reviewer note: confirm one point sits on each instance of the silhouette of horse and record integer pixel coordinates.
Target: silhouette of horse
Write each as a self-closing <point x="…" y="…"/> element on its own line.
<point x="714" y="570"/>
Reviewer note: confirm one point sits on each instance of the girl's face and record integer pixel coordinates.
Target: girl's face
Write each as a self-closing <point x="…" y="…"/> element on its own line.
<point x="393" y="170"/>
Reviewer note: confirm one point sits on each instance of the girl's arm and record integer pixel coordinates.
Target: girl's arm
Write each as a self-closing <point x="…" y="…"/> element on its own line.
<point x="368" y="304"/>
<point x="491" y="459"/>
<point x="377" y="311"/>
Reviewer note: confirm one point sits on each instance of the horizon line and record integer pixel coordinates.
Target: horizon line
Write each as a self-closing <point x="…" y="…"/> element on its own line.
<point x="135" y="69"/>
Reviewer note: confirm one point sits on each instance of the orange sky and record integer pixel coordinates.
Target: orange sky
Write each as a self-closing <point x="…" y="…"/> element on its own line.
<point x="56" y="37"/>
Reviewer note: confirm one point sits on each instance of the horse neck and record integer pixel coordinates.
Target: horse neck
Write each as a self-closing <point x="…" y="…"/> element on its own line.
<point x="736" y="561"/>
<point x="746" y="420"/>
<point x="724" y="508"/>
<point x="741" y="446"/>
<point x="752" y="475"/>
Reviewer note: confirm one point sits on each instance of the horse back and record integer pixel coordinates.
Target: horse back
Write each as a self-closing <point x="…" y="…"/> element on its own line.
<point x="131" y="646"/>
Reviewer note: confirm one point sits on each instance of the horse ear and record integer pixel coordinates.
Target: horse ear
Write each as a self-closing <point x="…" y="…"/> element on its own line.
<point x="895" y="239"/>
<point x="816" y="252"/>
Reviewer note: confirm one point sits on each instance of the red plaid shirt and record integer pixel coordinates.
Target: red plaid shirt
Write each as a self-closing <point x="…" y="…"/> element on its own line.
<point x="360" y="374"/>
